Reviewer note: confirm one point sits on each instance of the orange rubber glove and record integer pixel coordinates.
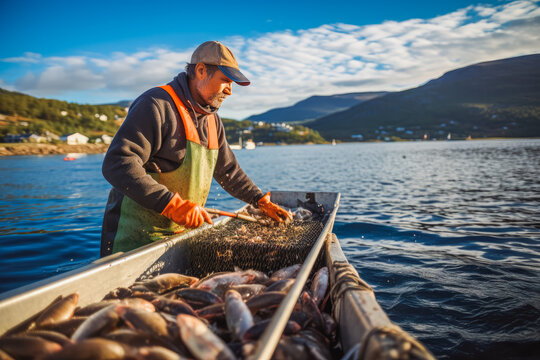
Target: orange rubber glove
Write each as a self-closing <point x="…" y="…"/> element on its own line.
<point x="274" y="211"/>
<point x="185" y="212"/>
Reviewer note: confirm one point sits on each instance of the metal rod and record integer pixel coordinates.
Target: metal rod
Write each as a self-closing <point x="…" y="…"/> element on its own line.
<point x="234" y="215"/>
<point x="270" y="338"/>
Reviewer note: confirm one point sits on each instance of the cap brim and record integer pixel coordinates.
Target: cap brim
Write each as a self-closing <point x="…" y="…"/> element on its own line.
<point x="235" y="75"/>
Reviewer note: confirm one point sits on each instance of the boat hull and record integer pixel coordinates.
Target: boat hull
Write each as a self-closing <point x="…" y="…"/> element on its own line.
<point x="354" y="306"/>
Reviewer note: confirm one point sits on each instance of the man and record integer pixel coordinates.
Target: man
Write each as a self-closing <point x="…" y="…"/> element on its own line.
<point x="162" y="159"/>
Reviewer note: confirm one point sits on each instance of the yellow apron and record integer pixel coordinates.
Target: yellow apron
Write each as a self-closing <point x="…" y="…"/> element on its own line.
<point x="138" y="225"/>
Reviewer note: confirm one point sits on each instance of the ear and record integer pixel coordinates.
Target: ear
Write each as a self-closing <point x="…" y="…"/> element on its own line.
<point x="200" y="71"/>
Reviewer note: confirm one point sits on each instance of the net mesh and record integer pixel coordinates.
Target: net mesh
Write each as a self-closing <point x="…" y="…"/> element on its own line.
<point x="250" y="245"/>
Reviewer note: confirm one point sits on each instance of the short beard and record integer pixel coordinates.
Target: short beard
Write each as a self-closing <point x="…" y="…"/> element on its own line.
<point x="215" y="100"/>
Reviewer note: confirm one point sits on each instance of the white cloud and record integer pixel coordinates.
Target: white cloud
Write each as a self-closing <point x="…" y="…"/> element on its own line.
<point x="288" y="66"/>
<point x="29" y="57"/>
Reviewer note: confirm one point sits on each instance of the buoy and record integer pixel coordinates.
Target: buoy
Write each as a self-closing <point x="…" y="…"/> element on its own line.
<point x="73" y="156"/>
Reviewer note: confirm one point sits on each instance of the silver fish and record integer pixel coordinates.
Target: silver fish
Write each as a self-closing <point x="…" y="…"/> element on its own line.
<point x="30" y="322"/>
<point x="137" y="338"/>
<point x="132" y="302"/>
<point x="22" y="346"/>
<point x="50" y="335"/>
<point x="94" y="307"/>
<point x="200" y="340"/>
<point x="91" y="349"/>
<point x="237" y="314"/>
<point x="286" y="273"/>
<point x="143" y="320"/>
<point x="265" y="300"/>
<point x="288" y="349"/>
<point x="198" y="296"/>
<point x="165" y="282"/>
<point x="212" y="312"/>
<point x="156" y="353"/>
<point x="229" y="278"/>
<point x="67" y="327"/>
<point x="61" y="310"/>
<point x="248" y="290"/>
<point x="254" y="332"/>
<point x="260" y="277"/>
<point x="173" y="306"/>
<point x="138" y="303"/>
<point x="310" y="308"/>
<point x="319" y="285"/>
<point x="281" y="285"/>
<point x="316" y="350"/>
<point x="103" y="319"/>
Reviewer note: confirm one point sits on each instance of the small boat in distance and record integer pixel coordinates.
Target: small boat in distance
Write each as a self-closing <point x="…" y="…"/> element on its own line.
<point x="237" y="146"/>
<point x="249" y="145"/>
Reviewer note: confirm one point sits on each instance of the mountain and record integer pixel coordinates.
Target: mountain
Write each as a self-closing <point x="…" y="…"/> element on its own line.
<point x="314" y="107"/>
<point x="498" y="98"/>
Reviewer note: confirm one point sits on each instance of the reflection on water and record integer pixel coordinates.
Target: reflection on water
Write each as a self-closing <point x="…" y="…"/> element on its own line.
<point x="445" y="232"/>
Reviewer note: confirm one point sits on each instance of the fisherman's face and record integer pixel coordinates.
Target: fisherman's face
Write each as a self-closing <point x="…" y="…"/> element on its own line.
<point x="213" y="90"/>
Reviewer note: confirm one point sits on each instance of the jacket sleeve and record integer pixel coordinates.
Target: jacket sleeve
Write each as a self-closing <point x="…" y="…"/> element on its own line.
<point x="132" y="146"/>
<point x="230" y="175"/>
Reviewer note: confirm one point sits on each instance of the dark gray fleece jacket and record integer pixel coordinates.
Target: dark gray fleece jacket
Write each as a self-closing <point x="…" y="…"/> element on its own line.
<point x="152" y="139"/>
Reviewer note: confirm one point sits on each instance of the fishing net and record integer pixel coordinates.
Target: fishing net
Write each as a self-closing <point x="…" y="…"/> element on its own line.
<point x="250" y="245"/>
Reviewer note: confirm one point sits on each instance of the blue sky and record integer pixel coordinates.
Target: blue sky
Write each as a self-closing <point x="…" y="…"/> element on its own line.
<point x="97" y="52"/>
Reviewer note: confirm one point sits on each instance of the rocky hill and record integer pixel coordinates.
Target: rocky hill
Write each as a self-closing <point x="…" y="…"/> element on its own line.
<point x="491" y="99"/>
<point x="314" y="107"/>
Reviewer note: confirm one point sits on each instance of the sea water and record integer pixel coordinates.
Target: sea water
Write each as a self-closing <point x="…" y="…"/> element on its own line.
<point x="446" y="233"/>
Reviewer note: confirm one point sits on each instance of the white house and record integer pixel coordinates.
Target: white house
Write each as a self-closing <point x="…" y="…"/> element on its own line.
<point x="106" y="139"/>
<point x="37" y="138"/>
<point x="51" y="136"/>
<point x="282" y="127"/>
<point x="75" y="139"/>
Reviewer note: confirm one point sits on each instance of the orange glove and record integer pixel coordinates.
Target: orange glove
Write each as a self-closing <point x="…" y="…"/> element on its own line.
<point x="274" y="211"/>
<point x="185" y="212"/>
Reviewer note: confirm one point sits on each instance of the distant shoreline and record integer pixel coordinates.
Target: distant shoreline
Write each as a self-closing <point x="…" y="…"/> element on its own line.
<point x="9" y="149"/>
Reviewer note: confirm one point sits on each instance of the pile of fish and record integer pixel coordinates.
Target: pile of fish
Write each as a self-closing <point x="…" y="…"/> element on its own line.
<point x="174" y="316"/>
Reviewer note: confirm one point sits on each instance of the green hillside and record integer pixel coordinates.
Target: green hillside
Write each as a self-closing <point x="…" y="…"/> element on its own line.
<point x="267" y="133"/>
<point x="27" y="114"/>
<point x="21" y="114"/>
<point x="491" y="99"/>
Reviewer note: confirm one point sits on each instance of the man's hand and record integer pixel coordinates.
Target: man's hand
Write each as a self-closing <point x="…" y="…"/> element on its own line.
<point x="274" y="211"/>
<point x="185" y="212"/>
